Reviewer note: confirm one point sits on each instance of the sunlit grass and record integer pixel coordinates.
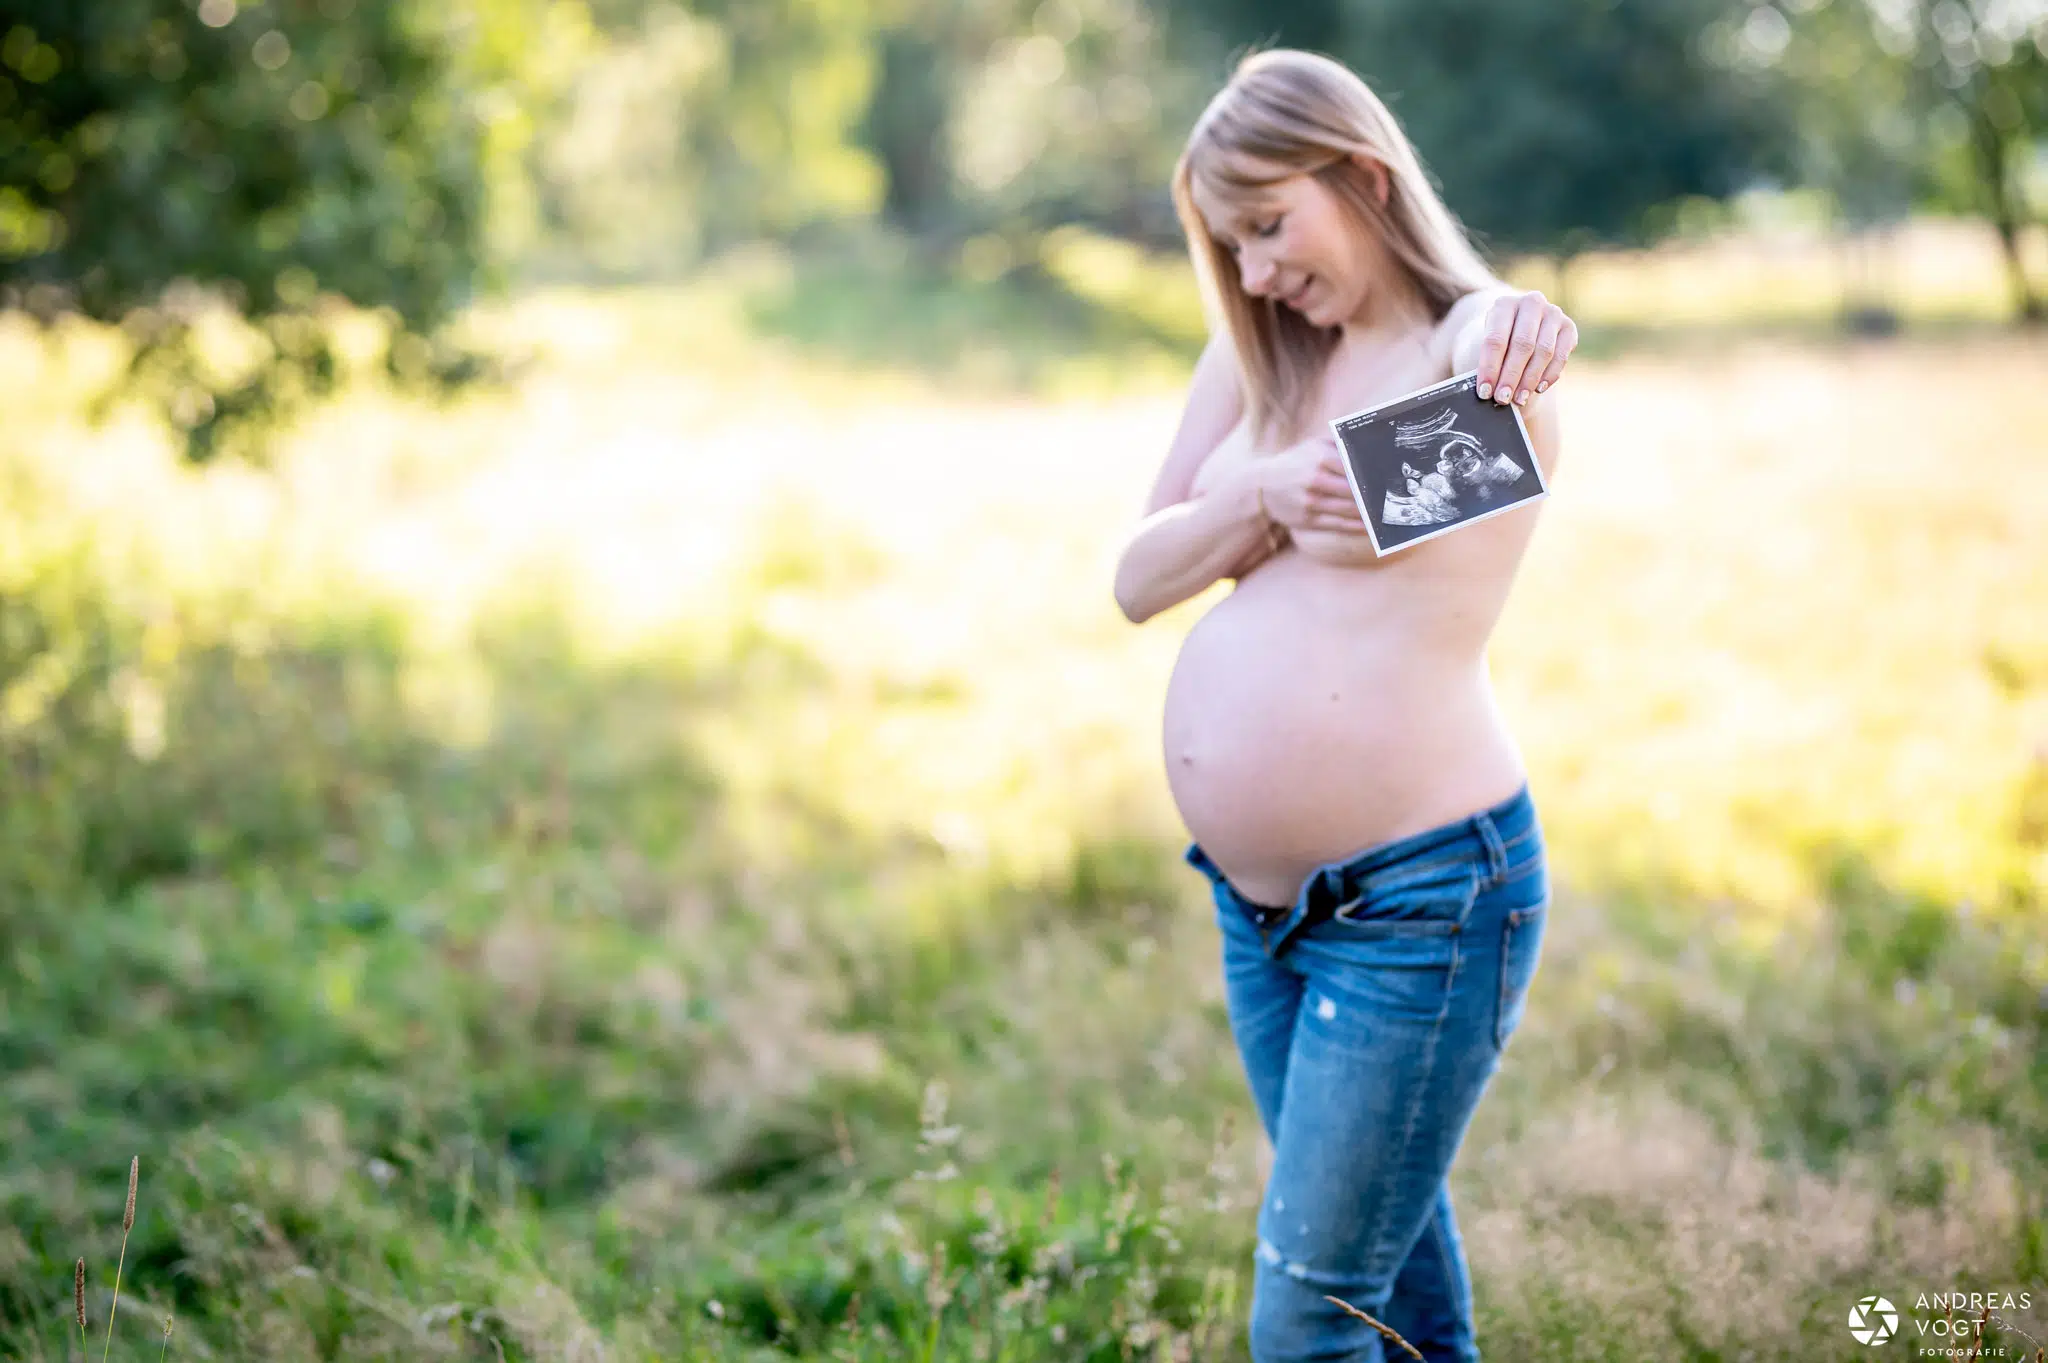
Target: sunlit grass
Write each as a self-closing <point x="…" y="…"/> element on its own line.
<point x="1783" y="597"/>
<point x="1934" y="272"/>
<point x="618" y="796"/>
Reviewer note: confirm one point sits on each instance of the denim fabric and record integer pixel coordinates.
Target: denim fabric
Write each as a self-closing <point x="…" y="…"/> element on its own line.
<point x="1367" y="1039"/>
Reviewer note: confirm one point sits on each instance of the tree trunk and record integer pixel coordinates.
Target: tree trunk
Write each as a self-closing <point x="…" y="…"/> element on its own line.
<point x="2024" y="298"/>
<point x="905" y="128"/>
<point x="1994" y="159"/>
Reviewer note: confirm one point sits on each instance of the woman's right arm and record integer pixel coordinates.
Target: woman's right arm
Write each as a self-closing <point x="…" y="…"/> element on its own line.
<point x="1185" y="542"/>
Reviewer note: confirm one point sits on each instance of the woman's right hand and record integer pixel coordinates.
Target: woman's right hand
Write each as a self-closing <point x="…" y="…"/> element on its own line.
<point x="1303" y="487"/>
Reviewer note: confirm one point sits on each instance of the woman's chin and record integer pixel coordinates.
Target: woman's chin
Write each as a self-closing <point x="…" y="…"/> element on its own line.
<point x="1321" y="310"/>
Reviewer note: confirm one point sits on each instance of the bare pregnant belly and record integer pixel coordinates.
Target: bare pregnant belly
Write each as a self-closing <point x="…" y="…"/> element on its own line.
<point x="1316" y="712"/>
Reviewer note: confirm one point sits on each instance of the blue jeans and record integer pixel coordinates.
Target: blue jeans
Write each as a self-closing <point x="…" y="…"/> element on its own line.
<point x="1367" y="1039"/>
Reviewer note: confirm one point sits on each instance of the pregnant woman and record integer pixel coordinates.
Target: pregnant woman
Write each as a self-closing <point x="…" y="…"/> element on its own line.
<point x="1331" y="737"/>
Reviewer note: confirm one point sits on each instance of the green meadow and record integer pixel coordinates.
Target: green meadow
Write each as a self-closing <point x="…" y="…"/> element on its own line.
<point x="665" y="857"/>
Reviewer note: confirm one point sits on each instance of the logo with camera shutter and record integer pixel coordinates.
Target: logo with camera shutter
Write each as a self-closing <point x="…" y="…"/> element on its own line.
<point x="1873" y="1321"/>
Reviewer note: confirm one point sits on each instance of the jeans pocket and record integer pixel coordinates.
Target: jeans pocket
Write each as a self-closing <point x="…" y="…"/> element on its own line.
<point x="1521" y="945"/>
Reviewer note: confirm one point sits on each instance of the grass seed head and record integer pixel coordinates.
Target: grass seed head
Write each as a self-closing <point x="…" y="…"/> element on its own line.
<point x="938" y="1290"/>
<point x="1387" y="1332"/>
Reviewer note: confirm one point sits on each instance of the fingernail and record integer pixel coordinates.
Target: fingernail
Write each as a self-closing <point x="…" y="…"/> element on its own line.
<point x="1486" y="390"/>
<point x="1522" y="398"/>
<point x="1543" y="385"/>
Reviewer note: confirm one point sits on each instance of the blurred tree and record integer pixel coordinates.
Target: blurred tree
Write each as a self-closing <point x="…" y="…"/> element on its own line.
<point x="164" y="162"/>
<point x="521" y="61"/>
<point x="997" y="120"/>
<point x="778" y="139"/>
<point x="1200" y="28"/>
<point x="1551" y="127"/>
<point x="687" y="128"/>
<point x="616" y="187"/>
<point x="1906" y="100"/>
<point x="927" y="51"/>
<point x="1556" y="127"/>
<point x="1073" y="117"/>
<point x="906" y="122"/>
<point x="1983" y="74"/>
<point x="1856" y="136"/>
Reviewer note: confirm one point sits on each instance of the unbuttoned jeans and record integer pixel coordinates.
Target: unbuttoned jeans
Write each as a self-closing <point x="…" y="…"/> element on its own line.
<point x="1367" y="1040"/>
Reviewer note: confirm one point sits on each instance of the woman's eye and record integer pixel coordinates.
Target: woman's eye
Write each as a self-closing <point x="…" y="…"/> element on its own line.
<point x="1270" y="228"/>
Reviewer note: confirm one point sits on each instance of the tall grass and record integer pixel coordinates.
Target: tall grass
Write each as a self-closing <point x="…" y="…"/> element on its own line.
<point x="668" y="861"/>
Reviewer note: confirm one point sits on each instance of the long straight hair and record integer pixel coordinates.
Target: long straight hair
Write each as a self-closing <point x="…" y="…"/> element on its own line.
<point x="1286" y="113"/>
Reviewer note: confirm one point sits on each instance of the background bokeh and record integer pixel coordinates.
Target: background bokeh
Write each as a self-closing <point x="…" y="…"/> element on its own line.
<point x="571" y="782"/>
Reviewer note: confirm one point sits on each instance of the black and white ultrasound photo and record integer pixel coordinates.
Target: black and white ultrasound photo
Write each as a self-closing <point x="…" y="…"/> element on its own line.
<point x="1435" y="461"/>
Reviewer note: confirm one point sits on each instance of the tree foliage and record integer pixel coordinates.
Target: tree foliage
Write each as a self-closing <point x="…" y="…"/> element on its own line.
<point x="685" y="129"/>
<point x="1561" y="126"/>
<point x="158" y="159"/>
<point x="1905" y="102"/>
<point x="1076" y="117"/>
<point x="1858" y="135"/>
<point x="1982" y="70"/>
<point x="165" y="164"/>
<point x="1550" y="127"/>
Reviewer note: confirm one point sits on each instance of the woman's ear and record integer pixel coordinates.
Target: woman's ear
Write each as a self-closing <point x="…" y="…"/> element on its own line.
<point x="1375" y="175"/>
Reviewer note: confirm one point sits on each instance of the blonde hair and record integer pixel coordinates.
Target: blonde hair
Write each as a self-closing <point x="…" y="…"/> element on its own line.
<point x="1286" y="113"/>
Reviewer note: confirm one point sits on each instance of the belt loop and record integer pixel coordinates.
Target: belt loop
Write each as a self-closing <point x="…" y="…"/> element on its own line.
<point x="1496" y="850"/>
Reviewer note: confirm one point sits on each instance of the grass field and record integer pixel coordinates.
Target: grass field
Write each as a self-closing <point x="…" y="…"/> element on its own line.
<point x="668" y="859"/>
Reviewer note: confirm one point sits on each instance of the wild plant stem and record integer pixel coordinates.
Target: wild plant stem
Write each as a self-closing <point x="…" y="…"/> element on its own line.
<point x="117" y="1298"/>
<point x="1391" y="1336"/>
<point x="127" y="1225"/>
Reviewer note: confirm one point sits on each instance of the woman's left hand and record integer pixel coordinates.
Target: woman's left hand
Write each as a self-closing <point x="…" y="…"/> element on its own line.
<point x="1528" y="340"/>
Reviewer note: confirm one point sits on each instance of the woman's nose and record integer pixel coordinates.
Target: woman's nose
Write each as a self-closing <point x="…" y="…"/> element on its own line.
<point x="1255" y="274"/>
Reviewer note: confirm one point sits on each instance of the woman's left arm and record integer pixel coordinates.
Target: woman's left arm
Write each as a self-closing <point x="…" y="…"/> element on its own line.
<point x="1518" y="341"/>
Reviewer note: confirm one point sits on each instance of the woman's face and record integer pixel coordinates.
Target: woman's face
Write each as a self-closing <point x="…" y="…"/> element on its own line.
<point x="1294" y="243"/>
